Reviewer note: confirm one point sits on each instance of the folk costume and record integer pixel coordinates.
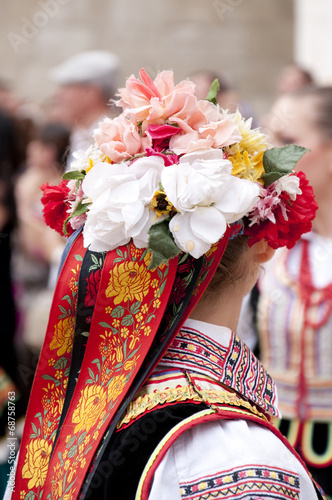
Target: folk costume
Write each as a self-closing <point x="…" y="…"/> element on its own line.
<point x="154" y="203"/>
<point x="294" y="319"/>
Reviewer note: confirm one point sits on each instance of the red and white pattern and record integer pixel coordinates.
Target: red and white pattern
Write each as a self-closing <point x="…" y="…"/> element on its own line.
<point x="251" y="481"/>
<point x="229" y="361"/>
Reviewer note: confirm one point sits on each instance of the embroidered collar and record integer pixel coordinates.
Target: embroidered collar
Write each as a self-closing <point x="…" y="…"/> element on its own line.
<point x="228" y="360"/>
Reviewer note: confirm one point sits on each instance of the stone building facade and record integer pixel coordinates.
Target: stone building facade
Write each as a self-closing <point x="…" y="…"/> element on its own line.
<point x="249" y="41"/>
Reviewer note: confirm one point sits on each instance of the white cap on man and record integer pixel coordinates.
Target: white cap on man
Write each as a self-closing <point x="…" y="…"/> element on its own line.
<point x="93" y="67"/>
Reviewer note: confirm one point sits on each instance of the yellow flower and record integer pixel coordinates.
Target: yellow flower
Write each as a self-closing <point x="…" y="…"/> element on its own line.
<point x="50" y="421"/>
<point x="116" y="386"/>
<point x="51" y="362"/>
<point x="157" y="293"/>
<point x="54" y="396"/>
<point x="135" y="252"/>
<point x="105" y="343"/>
<point x="57" y="481"/>
<point x="130" y="363"/>
<point x="83" y="461"/>
<point x="63" y="336"/>
<point x="73" y="284"/>
<point x="90" y="405"/>
<point x="154" y="283"/>
<point x="253" y="141"/>
<point x="22" y="494"/>
<point x="108" y="310"/>
<point x="161" y="205"/>
<point x="48" y="399"/>
<point x="58" y="374"/>
<point x="139" y="317"/>
<point x="156" y="303"/>
<point x="116" y="323"/>
<point x="117" y="347"/>
<point x="145" y="308"/>
<point x="147" y="330"/>
<point x="248" y="168"/>
<point x="124" y="332"/>
<point x="147" y="258"/>
<point x="128" y="281"/>
<point x="36" y="462"/>
<point x="67" y="464"/>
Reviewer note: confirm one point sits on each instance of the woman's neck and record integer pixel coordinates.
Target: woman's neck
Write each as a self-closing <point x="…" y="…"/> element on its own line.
<point x="223" y="310"/>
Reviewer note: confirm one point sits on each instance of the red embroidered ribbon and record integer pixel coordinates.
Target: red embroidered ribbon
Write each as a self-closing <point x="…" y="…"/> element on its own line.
<point x="50" y="381"/>
<point x="129" y="307"/>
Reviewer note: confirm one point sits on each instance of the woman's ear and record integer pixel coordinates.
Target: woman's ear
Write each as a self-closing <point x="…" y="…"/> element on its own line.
<point x="262" y="251"/>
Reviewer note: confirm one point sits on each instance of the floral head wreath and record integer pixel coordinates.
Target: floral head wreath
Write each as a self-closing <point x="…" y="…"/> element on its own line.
<point x="172" y="172"/>
<point x="159" y="193"/>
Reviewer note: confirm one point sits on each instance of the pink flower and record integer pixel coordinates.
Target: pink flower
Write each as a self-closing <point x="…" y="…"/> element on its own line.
<point x="160" y="135"/>
<point x="169" y="159"/>
<point x="77" y="221"/>
<point x="150" y="100"/>
<point x="118" y="138"/>
<point x="213" y="134"/>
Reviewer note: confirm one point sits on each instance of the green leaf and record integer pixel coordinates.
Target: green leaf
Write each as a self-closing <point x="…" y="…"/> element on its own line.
<point x="161" y="244"/>
<point x="127" y="320"/>
<point x="73" y="451"/>
<point x="118" y="259"/>
<point x="81" y="438"/>
<point x="73" y="174"/>
<point x="104" y="324"/>
<point x="150" y="318"/>
<point x="278" y="162"/>
<point x="63" y="310"/>
<point x="213" y="92"/>
<point x="70" y="442"/>
<point x="80" y="209"/>
<point x="61" y="363"/>
<point x="118" y="312"/>
<point x="91" y="373"/>
<point x="78" y="258"/>
<point x="85" y="334"/>
<point x="135" y="307"/>
<point x="48" y="377"/>
<point x="67" y="297"/>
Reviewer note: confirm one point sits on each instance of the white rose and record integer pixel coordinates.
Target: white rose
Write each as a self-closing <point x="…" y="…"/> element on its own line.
<point x="207" y="198"/>
<point x="120" y="209"/>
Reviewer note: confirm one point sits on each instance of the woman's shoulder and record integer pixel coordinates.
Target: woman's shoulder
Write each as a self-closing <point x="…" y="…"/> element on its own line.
<point x="228" y="457"/>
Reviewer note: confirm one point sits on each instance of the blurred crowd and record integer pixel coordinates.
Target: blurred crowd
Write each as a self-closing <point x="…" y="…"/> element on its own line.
<point x="36" y="145"/>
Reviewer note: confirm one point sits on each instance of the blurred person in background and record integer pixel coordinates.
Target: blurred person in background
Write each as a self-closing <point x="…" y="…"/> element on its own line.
<point x="9" y="380"/>
<point x="293" y="77"/>
<point x="87" y="81"/>
<point x="38" y="247"/>
<point x="292" y="304"/>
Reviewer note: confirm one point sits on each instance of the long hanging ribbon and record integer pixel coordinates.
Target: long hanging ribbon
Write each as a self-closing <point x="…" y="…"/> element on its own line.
<point x="50" y="382"/>
<point x="129" y="307"/>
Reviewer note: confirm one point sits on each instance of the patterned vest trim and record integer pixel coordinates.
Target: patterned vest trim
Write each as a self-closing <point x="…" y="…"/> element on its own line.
<point x="203" y="416"/>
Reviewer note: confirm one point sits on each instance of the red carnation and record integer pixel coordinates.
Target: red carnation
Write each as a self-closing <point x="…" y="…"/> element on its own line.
<point x="300" y="213"/>
<point x="56" y="206"/>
